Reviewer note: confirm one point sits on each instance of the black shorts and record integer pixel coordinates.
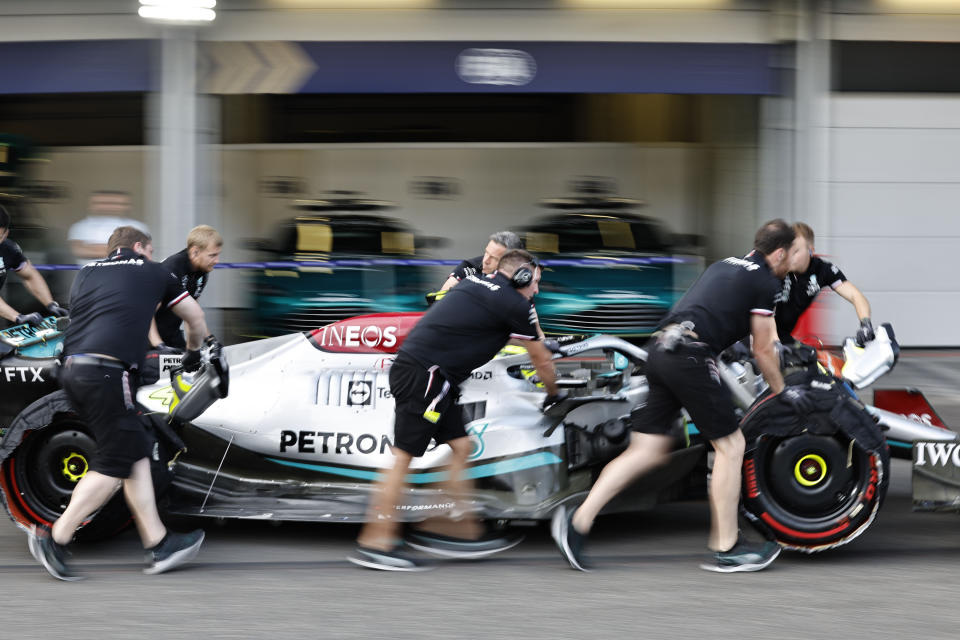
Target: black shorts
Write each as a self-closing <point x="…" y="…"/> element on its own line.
<point x="104" y="398"/>
<point x="418" y="390"/>
<point x="687" y="378"/>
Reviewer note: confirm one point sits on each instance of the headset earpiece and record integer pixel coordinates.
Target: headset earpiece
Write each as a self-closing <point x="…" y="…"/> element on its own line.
<point x="523" y="276"/>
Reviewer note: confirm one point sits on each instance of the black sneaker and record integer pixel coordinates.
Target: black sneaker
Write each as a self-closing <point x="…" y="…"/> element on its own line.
<point x="394" y="560"/>
<point x="51" y="555"/>
<point x="568" y="539"/>
<point x="174" y="550"/>
<point x="744" y="556"/>
<point x="461" y="548"/>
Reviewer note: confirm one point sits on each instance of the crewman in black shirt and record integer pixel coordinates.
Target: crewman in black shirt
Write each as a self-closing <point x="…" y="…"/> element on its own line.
<point x="497" y="245"/>
<point x="113" y="300"/>
<point x="192" y="267"/>
<point x="459" y="333"/>
<point x="12" y="259"/>
<point x="808" y="275"/>
<point x="733" y="298"/>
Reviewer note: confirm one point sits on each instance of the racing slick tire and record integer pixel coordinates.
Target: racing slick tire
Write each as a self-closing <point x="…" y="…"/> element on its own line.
<point x="38" y="475"/>
<point x="812" y="492"/>
<point x="43" y="471"/>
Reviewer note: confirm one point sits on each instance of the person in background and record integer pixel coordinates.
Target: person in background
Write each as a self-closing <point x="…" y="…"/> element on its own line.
<point x="497" y="245"/>
<point x="107" y="210"/>
<point x="12" y="259"/>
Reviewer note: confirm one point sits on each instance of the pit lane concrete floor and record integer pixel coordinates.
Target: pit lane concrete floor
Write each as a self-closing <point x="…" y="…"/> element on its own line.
<point x="255" y="580"/>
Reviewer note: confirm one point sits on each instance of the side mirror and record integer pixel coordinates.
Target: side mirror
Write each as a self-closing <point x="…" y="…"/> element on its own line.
<point x="620" y="361"/>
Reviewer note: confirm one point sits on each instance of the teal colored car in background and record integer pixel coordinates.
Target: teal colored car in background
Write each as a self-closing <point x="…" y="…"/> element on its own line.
<point x="607" y="271"/>
<point x="335" y="261"/>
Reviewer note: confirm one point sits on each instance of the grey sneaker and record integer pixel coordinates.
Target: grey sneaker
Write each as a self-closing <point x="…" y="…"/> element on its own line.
<point x="744" y="556"/>
<point x="461" y="548"/>
<point x="174" y="550"/>
<point x="394" y="560"/>
<point x="568" y="539"/>
<point x="51" y="555"/>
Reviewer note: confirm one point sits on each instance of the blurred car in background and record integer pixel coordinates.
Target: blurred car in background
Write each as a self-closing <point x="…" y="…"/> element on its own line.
<point x="351" y="262"/>
<point x="608" y="270"/>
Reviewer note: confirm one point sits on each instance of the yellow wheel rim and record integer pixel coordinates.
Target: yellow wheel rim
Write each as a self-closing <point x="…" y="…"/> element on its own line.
<point x="74" y="467"/>
<point x="810" y="470"/>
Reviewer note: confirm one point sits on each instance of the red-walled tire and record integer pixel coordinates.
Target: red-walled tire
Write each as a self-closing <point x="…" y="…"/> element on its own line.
<point x="813" y="492"/>
<point x="42" y="472"/>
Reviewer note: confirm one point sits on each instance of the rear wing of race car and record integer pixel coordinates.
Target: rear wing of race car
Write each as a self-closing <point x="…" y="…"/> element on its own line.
<point x="909" y="403"/>
<point x="906" y="416"/>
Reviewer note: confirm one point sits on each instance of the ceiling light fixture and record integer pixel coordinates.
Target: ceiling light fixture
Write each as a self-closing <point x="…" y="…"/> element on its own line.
<point x="178" y="10"/>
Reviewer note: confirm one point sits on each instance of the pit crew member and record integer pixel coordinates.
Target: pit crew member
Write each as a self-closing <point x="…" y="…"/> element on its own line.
<point x="12" y="259"/>
<point x="113" y="300"/>
<point x="732" y="298"/>
<point x="808" y="274"/>
<point x="497" y="245"/>
<point x="192" y="267"/>
<point x="459" y="333"/>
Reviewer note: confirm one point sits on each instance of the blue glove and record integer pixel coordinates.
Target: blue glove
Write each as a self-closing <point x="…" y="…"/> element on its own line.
<point x="32" y="318"/>
<point x="798" y="398"/>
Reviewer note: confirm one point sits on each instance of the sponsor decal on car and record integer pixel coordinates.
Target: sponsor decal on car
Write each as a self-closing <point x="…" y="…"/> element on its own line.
<point x="922" y="418"/>
<point x="333" y="442"/>
<point x="163" y="395"/>
<point x="475" y="433"/>
<point x="936" y="454"/>
<point x="359" y="393"/>
<point x="168" y="361"/>
<point x="22" y="374"/>
<point x="426" y="507"/>
<point x="351" y="335"/>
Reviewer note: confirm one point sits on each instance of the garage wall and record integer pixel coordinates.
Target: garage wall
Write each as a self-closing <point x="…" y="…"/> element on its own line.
<point x="731" y="194"/>
<point x="499" y="187"/>
<point x="894" y="192"/>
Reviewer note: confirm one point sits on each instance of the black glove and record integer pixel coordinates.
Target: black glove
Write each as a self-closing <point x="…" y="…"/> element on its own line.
<point x="865" y="334"/>
<point x="552" y="345"/>
<point x="736" y="352"/>
<point x="33" y="318"/>
<point x="553" y="398"/>
<point x="191" y="360"/>
<point x="165" y="349"/>
<point x="798" y="398"/>
<point x="56" y="310"/>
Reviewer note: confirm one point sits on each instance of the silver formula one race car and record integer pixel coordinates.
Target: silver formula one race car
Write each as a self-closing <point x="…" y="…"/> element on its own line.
<point x="298" y="426"/>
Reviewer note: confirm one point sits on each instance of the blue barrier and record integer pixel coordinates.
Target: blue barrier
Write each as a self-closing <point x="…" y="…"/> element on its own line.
<point x="398" y="262"/>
